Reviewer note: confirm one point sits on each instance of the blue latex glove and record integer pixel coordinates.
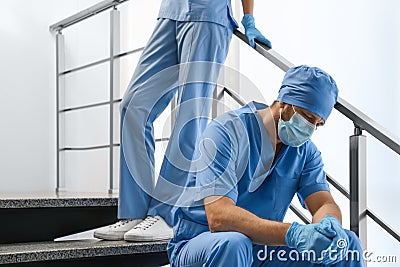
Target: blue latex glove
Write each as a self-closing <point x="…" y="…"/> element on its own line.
<point x="252" y="32"/>
<point x="339" y="247"/>
<point x="312" y="237"/>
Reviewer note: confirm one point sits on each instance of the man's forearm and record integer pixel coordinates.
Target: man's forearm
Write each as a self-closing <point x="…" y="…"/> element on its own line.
<point x="260" y="231"/>
<point x="327" y="209"/>
<point x="248" y="6"/>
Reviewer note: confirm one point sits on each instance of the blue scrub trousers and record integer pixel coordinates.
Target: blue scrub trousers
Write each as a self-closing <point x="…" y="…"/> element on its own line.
<point x="171" y="43"/>
<point x="236" y="249"/>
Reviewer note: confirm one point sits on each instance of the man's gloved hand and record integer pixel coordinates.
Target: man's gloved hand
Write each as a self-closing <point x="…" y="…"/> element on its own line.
<point x="252" y="32"/>
<point x="339" y="247"/>
<point x="312" y="237"/>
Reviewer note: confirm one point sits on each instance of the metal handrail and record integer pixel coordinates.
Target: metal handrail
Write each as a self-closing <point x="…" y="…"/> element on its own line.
<point x="84" y="14"/>
<point x="359" y="119"/>
<point x="104" y="60"/>
<point x="338" y="186"/>
<point x="366" y="123"/>
<point x="384" y="225"/>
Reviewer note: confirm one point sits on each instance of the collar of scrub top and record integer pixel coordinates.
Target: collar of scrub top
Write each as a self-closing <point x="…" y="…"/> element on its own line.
<point x="267" y="152"/>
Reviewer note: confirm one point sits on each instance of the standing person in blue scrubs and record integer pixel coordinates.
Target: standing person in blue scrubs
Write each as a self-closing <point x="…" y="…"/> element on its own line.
<point x="253" y="161"/>
<point x="186" y="31"/>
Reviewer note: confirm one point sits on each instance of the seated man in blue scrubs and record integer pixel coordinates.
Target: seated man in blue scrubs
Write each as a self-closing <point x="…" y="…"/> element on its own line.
<point x="251" y="163"/>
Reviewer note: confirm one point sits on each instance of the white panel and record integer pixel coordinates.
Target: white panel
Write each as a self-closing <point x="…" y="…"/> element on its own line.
<point x="87" y="171"/>
<point x="87" y="86"/>
<point x="138" y="19"/>
<point x="87" y="127"/>
<point x="117" y="116"/>
<point x="162" y="125"/>
<point x="381" y="244"/>
<point x="263" y="78"/>
<point x="128" y="65"/>
<point x="333" y="142"/>
<point x="366" y="69"/>
<point x="87" y="41"/>
<point x="116" y="168"/>
<point x="27" y="102"/>
<point x="159" y="156"/>
<point x="344" y="204"/>
<point x="383" y="176"/>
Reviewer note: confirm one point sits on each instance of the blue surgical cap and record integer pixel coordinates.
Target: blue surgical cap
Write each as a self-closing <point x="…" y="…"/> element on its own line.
<point x="310" y="88"/>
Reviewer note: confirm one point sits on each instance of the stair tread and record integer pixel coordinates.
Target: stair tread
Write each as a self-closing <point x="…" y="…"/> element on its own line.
<point x="63" y="250"/>
<point x="53" y="199"/>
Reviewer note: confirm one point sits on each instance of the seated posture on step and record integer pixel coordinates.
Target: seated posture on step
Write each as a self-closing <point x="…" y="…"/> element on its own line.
<point x="252" y="161"/>
<point x="187" y="31"/>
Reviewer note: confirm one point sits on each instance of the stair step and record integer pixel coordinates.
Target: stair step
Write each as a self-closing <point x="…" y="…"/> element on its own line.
<point x="31" y="217"/>
<point x="52" y="200"/>
<point x="83" y="251"/>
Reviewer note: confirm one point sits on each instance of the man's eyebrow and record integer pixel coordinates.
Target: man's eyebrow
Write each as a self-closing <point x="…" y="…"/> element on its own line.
<point x="310" y="114"/>
<point x="313" y="116"/>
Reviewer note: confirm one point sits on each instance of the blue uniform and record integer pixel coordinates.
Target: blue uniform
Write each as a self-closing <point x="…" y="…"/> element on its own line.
<point x="186" y="31"/>
<point x="216" y="11"/>
<point x="233" y="147"/>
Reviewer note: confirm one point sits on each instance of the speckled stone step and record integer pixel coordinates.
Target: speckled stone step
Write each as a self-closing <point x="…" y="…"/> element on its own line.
<point x="31" y="217"/>
<point x="54" y="200"/>
<point x="79" y="250"/>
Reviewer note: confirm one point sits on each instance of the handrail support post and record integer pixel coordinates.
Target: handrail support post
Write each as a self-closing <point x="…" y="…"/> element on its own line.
<point x="217" y="102"/>
<point x="114" y="91"/>
<point x="60" y="117"/>
<point x="358" y="185"/>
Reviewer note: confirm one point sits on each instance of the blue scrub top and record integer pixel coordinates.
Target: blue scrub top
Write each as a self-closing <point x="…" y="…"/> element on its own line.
<point x="232" y="149"/>
<point x="217" y="11"/>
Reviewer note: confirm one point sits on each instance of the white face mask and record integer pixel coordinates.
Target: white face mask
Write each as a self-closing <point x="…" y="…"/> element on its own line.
<point x="295" y="131"/>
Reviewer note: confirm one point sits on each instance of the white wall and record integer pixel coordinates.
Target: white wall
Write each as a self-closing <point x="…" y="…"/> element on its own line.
<point x="87" y="42"/>
<point x="27" y="83"/>
<point x="27" y="66"/>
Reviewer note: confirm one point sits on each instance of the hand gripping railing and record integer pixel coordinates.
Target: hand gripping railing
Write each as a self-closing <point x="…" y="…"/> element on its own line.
<point x="357" y="194"/>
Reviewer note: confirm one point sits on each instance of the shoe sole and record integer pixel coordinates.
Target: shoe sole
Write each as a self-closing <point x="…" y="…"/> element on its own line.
<point x="108" y="237"/>
<point x="145" y="239"/>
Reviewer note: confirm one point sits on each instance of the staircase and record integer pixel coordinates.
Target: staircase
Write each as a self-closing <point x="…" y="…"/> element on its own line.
<point x="29" y="225"/>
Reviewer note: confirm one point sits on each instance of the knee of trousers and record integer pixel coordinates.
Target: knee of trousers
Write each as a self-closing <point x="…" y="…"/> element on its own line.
<point x="132" y="117"/>
<point x="125" y="102"/>
<point x="236" y="245"/>
<point x="354" y="241"/>
<point x="355" y="250"/>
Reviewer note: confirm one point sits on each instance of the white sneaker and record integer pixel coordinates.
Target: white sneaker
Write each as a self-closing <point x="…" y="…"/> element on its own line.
<point x="117" y="230"/>
<point x="153" y="228"/>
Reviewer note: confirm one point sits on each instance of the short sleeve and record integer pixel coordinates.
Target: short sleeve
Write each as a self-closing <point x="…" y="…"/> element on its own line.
<point x="215" y="170"/>
<point x="313" y="177"/>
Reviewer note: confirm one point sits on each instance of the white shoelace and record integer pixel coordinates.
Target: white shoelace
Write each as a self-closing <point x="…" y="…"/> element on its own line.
<point x="121" y="223"/>
<point x="147" y="223"/>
